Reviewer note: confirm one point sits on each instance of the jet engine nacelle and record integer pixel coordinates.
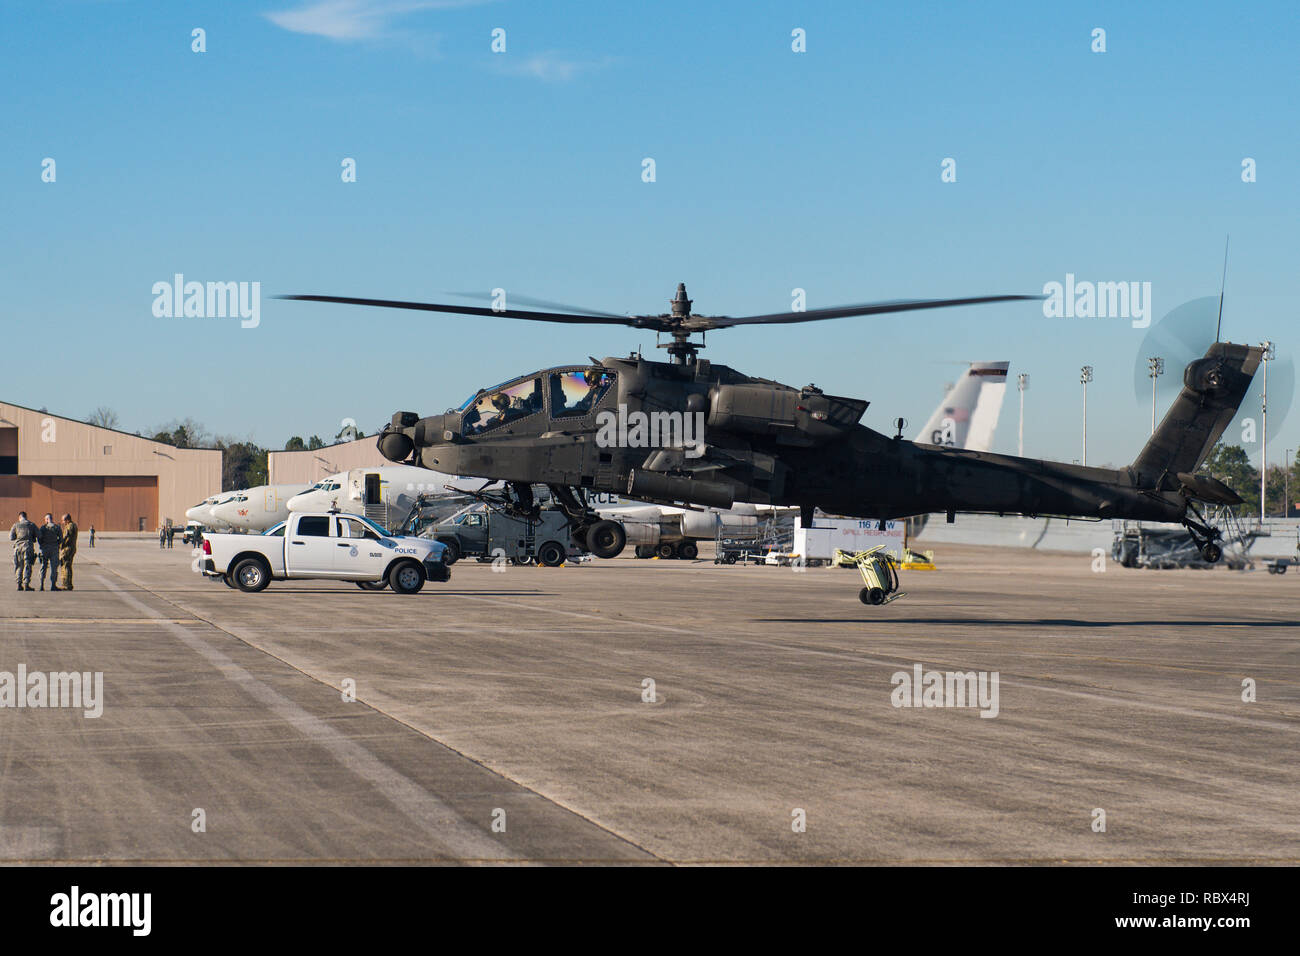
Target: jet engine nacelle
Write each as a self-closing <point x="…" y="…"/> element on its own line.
<point x="641" y="533"/>
<point x="699" y="524"/>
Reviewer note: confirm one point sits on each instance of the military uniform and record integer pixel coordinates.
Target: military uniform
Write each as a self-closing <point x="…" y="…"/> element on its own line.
<point x="49" y="537"/>
<point x="67" y="551"/>
<point x="23" y="535"/>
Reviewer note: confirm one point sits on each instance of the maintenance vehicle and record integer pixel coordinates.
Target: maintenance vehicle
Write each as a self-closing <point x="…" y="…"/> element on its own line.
<point x="486" y="532"/>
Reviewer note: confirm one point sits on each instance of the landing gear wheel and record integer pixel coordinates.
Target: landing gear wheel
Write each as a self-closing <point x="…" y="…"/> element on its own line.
<point x="605" y="539"/>
<point x="372" y="585"/>
<point x="644" y="551"/>
<point x="251" y="575"/>
<point x="666" y="551"/>
<point x="689" y="551"/>
<point x="1211" y="552"/>
<point x="551" y="554"/>
<point x="406" y="578"/>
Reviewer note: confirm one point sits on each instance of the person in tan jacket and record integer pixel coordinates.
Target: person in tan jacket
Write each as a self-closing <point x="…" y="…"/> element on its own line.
<point x="67" y="551"/>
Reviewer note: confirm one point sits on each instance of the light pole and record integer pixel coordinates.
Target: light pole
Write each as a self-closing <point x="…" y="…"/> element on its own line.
<point x="1157" y="368"/>
<point x="1286" y="483"/>
<point x="1085" y="376"/>
<point x="1022" y="382"/>
<point x="1270" y="352"/>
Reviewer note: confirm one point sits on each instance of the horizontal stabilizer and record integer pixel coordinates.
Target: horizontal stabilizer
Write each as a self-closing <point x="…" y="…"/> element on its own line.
<point x="1208" y="489"/>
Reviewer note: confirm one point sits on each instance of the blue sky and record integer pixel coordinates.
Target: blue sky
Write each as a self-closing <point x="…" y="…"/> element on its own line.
<point x="774" y="170"/>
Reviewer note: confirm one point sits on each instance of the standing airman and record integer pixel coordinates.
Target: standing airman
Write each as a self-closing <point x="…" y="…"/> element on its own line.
<point x="67" y="550"/>
<point x="49" y="537"/>
<point x="23" y="535"/>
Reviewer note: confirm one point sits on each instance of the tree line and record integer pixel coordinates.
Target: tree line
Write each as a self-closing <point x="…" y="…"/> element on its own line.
<point x="243" y="462"/>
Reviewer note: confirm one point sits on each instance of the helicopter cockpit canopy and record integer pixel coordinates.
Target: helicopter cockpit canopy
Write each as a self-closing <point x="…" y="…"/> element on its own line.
<point x="572" y="393"/>
<point x="502" y="404"/>
<point x="577" y="392"/>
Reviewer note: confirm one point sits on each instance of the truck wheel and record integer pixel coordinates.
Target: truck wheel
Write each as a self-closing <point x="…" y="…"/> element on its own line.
<point x="689" y="551"/>
<point x="605" y="539"/>
<point x="406" y="577"/>
<point x="453" y="551"/>
<point x="666" y="551"/>
<point x="551" y="554"/>
<point x="372" y="585"/>
<point x="251" y="575"/>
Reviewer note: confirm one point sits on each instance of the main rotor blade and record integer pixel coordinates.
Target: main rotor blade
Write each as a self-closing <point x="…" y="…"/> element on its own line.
<point x="477" y="310"/>
<point x="705" y="322"/>
<point x="542" y="304"/>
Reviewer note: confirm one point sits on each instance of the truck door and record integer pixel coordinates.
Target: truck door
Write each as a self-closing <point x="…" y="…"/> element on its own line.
<point x="357" y="551"/>
<point x="309" y="549"/>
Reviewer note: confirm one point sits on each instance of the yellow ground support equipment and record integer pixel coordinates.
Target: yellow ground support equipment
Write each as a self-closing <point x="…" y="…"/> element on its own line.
<point x="879" y="573"/>
<point x="917" y="560"/>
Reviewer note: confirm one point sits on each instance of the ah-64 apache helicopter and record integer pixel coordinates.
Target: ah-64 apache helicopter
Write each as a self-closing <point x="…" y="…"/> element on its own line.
<point x="592" y="427"/>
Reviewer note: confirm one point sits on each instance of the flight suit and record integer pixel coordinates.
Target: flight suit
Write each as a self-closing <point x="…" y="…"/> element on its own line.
<point x="67" y="551"/>
<point x="49" y="537"/>
<point x="23" y="535"/>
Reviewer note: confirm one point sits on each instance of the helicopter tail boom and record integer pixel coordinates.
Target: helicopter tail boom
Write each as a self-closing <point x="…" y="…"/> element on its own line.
<point x="1213" y="388"/>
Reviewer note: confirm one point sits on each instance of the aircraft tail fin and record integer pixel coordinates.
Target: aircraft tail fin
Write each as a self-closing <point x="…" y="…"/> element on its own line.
<point x="968" y="414"/>
<point x="1213" y="388"/>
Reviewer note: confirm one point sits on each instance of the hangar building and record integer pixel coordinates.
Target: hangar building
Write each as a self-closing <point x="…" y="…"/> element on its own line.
<point x="310" y="466"/>
<point x="113" y="480"/>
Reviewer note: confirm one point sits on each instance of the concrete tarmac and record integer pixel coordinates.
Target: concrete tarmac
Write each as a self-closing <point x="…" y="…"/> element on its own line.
<point x="519" y="700"/>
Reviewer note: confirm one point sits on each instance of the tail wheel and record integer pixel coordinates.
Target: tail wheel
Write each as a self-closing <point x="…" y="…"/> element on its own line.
<point x="551" y="554"/>
<point x="251" y="575"/>
<point x="689" y="551"/>
<point x="605" y="539"/>
<point x="407" y="577"/>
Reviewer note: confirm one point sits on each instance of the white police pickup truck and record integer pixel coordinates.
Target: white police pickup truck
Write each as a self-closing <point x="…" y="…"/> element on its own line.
<point x="343" y="547"/>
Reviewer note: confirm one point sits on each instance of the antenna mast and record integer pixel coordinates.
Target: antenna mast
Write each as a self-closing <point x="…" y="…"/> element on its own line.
<point x="1222" y="284"/>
